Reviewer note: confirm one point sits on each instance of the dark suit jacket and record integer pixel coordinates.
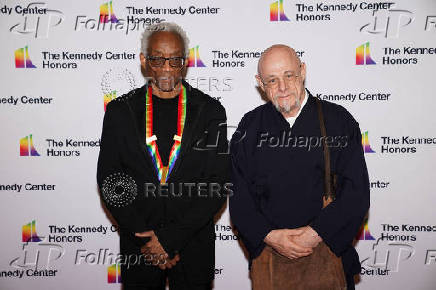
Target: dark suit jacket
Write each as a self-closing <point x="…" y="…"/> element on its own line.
<point x="183" y="224"/>
<point x="280" y="183"/>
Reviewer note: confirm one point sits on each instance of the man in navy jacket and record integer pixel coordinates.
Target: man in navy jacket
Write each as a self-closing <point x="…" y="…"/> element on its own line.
<point x="278" y="169"/>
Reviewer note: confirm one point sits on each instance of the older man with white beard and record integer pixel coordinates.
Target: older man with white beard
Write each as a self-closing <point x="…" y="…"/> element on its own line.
<point x="284" y="205"/>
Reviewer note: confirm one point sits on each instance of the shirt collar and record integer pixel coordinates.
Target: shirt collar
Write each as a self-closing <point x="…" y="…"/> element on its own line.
<point x="301" y="107"/>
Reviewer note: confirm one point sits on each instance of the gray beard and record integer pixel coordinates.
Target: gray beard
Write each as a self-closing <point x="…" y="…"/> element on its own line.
<point x="172" y="83"/>
<point x="287" y="107"/>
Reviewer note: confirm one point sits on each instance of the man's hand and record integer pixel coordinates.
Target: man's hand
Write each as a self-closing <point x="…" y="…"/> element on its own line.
<point x="170" y="263"/>
<point x="154" y="249"/>
<point x="281" y="241"/>
<point x="308" y="238"/>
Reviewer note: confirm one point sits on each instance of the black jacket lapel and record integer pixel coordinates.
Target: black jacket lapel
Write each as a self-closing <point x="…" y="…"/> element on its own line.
<point x="136" y="104"/>
<point x="193" y="111"/>
<point x="308" y="118"/>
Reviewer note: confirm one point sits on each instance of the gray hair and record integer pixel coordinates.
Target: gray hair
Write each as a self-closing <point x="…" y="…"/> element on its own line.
<point x="164" y="26"/>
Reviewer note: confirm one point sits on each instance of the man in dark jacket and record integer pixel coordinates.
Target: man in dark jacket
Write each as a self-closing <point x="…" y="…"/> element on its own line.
<point x="162" y="170"/>
<point x="278" y="169"/>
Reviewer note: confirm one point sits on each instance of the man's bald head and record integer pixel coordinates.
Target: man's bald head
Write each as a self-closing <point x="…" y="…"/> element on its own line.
<point x="275" y="52"/>
<point x="281" y="76"/>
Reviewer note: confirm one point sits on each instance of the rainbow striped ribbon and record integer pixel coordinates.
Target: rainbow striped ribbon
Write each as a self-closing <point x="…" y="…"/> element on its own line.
<point x="164" y="171"/>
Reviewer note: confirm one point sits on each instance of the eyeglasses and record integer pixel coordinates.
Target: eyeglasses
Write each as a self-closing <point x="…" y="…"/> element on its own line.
<point x="158" y="61"/>
<point x="288" y="78"/>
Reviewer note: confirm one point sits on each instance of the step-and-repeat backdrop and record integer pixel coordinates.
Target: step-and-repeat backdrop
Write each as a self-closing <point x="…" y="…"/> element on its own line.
<point x="63" y="61"/>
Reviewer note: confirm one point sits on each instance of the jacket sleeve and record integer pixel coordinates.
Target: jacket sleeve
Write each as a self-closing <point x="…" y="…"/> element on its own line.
<point x="111" y="171"/>
<point x="244" y="210"/>
<point x="176" y="235"/>
<point x="339" y="222"/>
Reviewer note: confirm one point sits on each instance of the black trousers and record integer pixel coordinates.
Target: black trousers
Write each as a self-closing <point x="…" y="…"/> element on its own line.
<point x="176" y="281"/>
<point x="350" y="282"/>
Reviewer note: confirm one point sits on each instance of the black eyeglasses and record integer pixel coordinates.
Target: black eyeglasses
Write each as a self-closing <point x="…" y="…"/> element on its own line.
<point x="158" y="61"/>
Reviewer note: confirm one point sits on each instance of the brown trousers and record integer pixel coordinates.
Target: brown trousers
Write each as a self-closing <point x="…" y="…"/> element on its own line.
<point x="322" y="270"/>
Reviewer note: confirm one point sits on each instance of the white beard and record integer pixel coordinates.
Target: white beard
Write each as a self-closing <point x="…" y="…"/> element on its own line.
<point x="286" y="107"/>
<point x="171" y="85"/>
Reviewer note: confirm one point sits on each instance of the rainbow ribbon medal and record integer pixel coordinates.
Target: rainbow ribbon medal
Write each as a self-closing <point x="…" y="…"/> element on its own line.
<point x="163" y="172"/>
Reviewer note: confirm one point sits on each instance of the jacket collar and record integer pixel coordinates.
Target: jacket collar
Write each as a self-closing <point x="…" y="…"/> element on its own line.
<point x="308" y="112"/>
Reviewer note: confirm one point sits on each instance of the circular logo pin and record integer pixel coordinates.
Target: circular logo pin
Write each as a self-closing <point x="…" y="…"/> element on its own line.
<point x="119" y="189"/>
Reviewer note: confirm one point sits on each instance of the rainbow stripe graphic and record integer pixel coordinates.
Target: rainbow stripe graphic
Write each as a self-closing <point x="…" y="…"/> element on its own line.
<point x="104" y="13"/>
<point x="364" y="233"/>
<point x="29" y="234"/>
<point x="26" y="147"/>
<point x="19" y="58"/>
<point x="109" y="97"/>
<point x="274" y="12"/>
<point x="365" y="143"/>
<point x="114" y="273"/>
<point x="194" y="57"/>
<point x="363" y="55"/>
<point x="164" y="171"/>
<point x="181" y="116"/>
